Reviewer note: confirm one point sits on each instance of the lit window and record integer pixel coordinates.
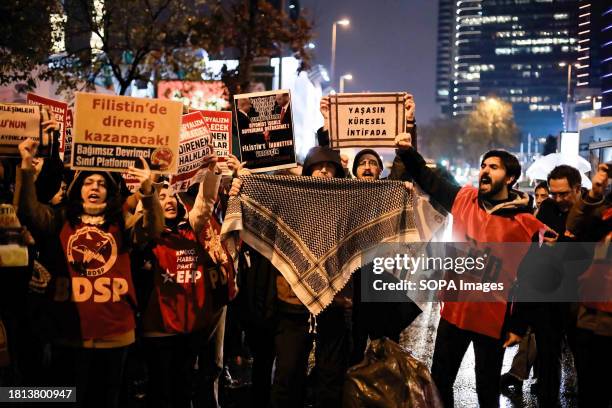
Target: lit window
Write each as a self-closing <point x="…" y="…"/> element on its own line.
<point x="560" y="16"/>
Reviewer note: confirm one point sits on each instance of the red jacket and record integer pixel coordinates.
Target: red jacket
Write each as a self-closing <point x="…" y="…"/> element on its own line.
<point x="471" y="222"/>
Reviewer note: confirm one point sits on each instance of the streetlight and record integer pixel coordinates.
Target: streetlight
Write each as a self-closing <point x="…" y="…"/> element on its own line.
<point x="347" y="77"/>
<point x="344" y="22"/>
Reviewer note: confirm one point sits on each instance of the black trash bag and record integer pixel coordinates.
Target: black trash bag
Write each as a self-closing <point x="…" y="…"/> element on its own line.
<point x="389" y="376"/>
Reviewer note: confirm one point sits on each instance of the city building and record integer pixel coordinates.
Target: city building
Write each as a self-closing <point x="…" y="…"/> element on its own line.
<point x="594" y="87"/>
<point x="519" y="51"/>
<point x="444" y="64"/>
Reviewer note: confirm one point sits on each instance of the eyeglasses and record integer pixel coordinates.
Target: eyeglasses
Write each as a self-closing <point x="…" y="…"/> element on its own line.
<point x="371" y="163"/>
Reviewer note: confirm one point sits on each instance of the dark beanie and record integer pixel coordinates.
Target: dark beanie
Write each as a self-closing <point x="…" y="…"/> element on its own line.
<point x="361" y="153"/>
<point x="321" y="154"/>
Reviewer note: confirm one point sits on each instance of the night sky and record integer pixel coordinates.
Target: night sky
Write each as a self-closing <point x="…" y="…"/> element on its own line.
<point x="390" y="45"/>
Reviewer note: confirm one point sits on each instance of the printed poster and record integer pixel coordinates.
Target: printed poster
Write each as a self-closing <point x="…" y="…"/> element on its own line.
<point x="112" y="132"/>
<point x="194" y="145"/>
<point x="220" y="126"/>
<point x="59" y="110"/>
<point x="265" y="130"/>
<point x="366" y="119"/>
<point x="19" y="122"/>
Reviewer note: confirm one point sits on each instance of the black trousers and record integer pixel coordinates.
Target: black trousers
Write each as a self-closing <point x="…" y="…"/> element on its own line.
<point x="593" y="362"/>
<point x="451" y="345"/>
<point x="551" y="323"/>
<point x="96" y="373"/>
<point x="293" y="344"/>
<point x="170" y="364"/>
<point x="261" y="344"/>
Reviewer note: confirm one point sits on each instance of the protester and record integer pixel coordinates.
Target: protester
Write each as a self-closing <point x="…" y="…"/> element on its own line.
<point x="553" y="322"/>
<point x="541" y="193"/>
<point x="590" y="220"/>
<point x="256" y="302"/>
<point x="296" y="328"/>
<point x="492" y="213"/>
<point x="293" y="340"/>
<point x="367" y="165"/>
<point x="92" y="285"/>
<point x="176" y="318"/>
<point x="22" y="332"/>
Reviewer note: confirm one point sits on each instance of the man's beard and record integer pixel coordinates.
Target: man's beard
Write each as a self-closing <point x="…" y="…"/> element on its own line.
<point x="496" y="188"/>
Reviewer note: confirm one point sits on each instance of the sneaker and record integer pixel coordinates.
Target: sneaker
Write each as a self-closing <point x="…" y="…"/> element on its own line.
<point x="510" y="384"/>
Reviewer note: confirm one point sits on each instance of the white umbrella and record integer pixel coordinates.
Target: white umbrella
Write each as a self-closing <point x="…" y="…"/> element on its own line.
<point x="540" y="168"/>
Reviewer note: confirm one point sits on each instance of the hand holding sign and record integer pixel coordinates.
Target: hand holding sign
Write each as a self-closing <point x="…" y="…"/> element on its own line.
<point x="51" y="125"/>
<point x="143" y="176"/>
<point x="403" y="141"/>
<point x="324" y="108"/>
<point x="410" y="107"/>
<point x="210" y="161"/>
<point x="27" y="150"/>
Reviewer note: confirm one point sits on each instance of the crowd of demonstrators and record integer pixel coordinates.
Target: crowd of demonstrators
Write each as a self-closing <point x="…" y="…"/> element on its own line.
<point x="113" y="272"/>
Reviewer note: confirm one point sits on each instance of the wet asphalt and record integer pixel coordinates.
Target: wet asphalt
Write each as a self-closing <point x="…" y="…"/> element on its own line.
<point x="420" y="338"/>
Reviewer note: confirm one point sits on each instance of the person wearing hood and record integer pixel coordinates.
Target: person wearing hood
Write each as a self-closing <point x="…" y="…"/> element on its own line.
<point x="178" y="311"/>
<point x="493" y="212"/>
<point x="293" y="340"/>
<point x="366" y="322"/>
<point x="92" y="290"/>
<point x="293" y="337"/>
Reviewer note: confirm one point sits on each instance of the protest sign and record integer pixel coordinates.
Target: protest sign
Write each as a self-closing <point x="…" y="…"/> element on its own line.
<point x="265" y="130"/>
<point x="19" y="122"/>
<point x="131" y="182"/>
<point x="59" y="110"/>
<point x="194" y="145"/>
<point x="220" y="126"/>
<point x="112" y="132"/>
<point x="68" y="139"/>
<point x="366" y="119"/>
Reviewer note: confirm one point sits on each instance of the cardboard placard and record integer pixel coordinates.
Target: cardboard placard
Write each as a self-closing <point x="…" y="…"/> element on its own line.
<point x="112" y="132"/>
<point x="366" y="119"/>
<point x="194" y="145"/>
<point x="59" y="110"/>
<point x="220" y="126"/>
<point x="265" y="129"/>
<point x="19" y="122"/>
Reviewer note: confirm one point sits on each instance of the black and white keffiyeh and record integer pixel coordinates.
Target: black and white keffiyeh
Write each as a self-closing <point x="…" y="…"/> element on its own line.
<point x="315" y="230"/>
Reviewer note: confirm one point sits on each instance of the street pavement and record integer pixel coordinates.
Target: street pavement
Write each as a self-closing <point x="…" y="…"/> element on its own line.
<point x="420" y="338"/>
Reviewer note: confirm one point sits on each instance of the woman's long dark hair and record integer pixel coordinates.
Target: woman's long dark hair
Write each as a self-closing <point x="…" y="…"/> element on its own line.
<point x="113" y="213"/>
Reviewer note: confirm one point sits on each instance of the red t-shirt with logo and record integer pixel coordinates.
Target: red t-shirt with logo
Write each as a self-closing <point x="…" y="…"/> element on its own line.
<point x="101" y="286"/>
